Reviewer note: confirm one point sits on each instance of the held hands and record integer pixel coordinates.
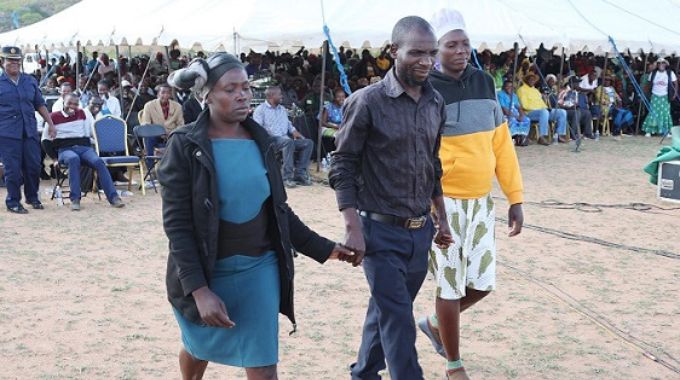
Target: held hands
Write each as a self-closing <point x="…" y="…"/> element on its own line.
<point x="515" y="219"/>
<point x="354" y="242"/>
<point x="211" y="308"/>
<point x="340" y="252"/>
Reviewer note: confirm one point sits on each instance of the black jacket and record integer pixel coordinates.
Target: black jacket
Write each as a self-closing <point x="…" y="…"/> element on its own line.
<point x="191" y="216"/>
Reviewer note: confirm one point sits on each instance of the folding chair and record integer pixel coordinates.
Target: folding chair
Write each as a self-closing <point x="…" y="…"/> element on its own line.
<point x="150" y="158"/>
<point x="62" y="174"/>
<point x="110" y="134"/>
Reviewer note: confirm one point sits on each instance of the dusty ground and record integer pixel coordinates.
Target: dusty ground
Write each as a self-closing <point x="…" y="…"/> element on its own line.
<point x="82" y="294"/>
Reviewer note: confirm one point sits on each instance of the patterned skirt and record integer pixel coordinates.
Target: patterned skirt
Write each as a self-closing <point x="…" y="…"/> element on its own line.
<point x="658" y="120"/>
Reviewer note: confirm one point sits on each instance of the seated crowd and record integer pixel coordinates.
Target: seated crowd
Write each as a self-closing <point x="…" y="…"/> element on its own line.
<point x="587" y="102"/>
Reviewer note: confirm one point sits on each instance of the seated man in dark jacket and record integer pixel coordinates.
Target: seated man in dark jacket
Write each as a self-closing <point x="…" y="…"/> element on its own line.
<point x="73" y="146"/>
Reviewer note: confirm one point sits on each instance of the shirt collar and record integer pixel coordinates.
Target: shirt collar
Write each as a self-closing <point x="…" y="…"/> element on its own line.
<point x="271" y="106"/>
<point x="394" y="88"/>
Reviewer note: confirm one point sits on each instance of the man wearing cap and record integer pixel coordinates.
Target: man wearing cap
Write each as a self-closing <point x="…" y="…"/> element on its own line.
<point x="476" y="146"/>
<point x="535" y="108"/>
<point x="664" y="88"/>
<point x="20" y="97"/>
<point x="386" y="175"/>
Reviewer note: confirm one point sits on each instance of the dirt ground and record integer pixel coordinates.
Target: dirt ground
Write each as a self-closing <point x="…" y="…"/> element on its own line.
<point x="82" y="295"/>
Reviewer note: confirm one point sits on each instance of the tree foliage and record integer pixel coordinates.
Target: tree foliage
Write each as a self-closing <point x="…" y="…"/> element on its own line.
<point x="29" y="11"/>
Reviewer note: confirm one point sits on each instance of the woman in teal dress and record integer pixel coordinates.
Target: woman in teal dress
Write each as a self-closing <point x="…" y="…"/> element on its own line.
<point x="231" y="232"/>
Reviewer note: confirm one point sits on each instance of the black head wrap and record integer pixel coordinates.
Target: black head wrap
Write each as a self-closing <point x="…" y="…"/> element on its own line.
<point x="201" y="75"/>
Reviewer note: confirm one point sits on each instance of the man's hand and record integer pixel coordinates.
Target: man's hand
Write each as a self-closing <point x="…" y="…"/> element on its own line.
<point x="443" y="238"/>
<point x="297" y="135"/>
<point x="52" y="131"/>
<point x="354" y="241"/>
<point x="515" y="219"/>
<point x="341" y="253"/>
<point x="354" y="235"/>
<point x="211" y="308"/>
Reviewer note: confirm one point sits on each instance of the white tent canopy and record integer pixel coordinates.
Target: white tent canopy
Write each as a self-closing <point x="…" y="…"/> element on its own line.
<point x="264" y="24"/>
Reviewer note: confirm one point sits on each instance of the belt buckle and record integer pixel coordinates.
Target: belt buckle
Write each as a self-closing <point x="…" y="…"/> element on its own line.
<point x="416" y="223"/>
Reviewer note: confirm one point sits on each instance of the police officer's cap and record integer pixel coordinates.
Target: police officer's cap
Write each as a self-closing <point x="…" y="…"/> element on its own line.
<point x="11" y="52"/>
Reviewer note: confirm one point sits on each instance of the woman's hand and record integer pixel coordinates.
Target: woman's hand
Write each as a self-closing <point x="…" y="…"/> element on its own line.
<point x="341" y="253"/>
<point x="211" y="308"/>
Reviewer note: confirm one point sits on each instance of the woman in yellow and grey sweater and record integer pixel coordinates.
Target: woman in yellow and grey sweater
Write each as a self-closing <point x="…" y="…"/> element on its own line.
<point x="476" y="146"/>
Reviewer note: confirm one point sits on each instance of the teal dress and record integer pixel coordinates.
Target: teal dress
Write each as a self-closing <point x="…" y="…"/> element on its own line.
<point x="247" y="284"/>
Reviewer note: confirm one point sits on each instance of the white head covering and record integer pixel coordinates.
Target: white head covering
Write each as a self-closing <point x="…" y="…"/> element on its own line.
<point x="446" y="20"/>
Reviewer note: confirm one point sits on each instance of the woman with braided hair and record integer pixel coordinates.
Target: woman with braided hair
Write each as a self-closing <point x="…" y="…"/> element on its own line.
<point x="231" y="232"/>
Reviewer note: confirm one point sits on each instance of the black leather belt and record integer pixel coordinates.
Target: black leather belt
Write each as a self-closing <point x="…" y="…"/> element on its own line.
<point x="409" y="223"/>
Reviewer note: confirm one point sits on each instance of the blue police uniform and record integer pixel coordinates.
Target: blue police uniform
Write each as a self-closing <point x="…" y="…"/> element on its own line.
<point x="19" y="140"/>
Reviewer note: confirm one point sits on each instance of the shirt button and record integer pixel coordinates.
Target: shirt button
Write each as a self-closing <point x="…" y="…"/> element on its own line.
<point x="198" y="154"/>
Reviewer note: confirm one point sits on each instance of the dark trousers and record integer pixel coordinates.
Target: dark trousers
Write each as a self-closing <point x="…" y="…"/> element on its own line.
<point x="395" y="266"/>
<point x="582" y="118"/>
<point x="22" y="167"/>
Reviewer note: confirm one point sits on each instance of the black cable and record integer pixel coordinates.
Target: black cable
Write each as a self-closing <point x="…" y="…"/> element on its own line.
<point x="645" y="348"/>
<point x="588" y="239"/>
<point x="597" y="207"/>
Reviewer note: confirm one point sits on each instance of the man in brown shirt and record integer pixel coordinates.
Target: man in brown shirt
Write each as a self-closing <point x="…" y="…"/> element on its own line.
<point x="386" y="173"/>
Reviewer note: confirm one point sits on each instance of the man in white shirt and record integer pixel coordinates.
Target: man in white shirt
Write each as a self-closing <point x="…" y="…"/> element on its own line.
<point x="274" y="118"/>
<point x="64" y="91"/>
<point x="111" y="104"/>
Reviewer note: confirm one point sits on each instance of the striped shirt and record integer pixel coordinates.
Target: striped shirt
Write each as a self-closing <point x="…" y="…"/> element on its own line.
<point x="71" y="126"/>
<point x="273" y="119"/>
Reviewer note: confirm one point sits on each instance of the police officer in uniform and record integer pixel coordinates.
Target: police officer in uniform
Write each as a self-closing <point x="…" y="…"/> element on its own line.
<point x="20" y="97"/>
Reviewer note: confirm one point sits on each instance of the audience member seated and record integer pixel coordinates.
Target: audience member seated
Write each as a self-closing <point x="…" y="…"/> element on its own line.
<point x="74" y="148"/>
<point x="162" y="111"/>
<point x="192" y="108"/>
<point x="611" y="103"/>
<point x="578" y="113"/>
<point x="518" y="122"/>
<point x="111" y="105"/>
<point x="64" y="90"/>
<point x="331" y="115"/>
<point x="105" y="66"/>
<point x="535" y="108"/>
<point x="295" y="149"/>
<point x="92" y="110"/>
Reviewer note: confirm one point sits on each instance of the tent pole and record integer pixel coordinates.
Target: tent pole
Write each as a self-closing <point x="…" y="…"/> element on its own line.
<point x="639" y="113"/>
<point x="319" y="140"/>
<point x="560" y="78"/>
<point x="78" y="61"/>
<point x="167" y="56"/>
<point x="514" y="66"/>
<point x="120" y="80"/>
<point x="129" y="52"/>
<point x="139" y="86"/>
<point x="235" y="48"/>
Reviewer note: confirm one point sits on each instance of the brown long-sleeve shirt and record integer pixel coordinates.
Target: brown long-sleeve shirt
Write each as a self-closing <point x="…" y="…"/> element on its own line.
<point x="387" y="157"/>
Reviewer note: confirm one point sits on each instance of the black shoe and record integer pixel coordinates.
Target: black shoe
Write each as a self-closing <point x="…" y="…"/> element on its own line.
<point x="37" y="205"/>
<point x="44" y="175"/>
<point x="19" y="209"/>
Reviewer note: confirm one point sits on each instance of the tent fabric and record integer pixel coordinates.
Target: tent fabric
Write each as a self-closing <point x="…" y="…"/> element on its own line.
<point x="576" y="25"/>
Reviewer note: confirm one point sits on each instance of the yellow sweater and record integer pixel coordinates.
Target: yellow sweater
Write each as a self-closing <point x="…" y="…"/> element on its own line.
<point x="530" y="98"/>
<point x="476" y="145"/>
<point x="471" y="161"/>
